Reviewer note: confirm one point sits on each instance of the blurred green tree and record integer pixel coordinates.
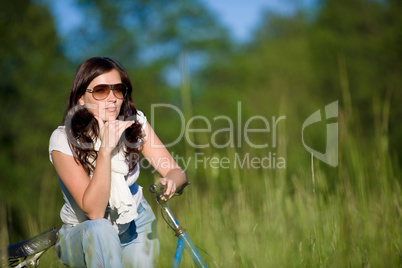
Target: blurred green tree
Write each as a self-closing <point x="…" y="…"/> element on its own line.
<point x="358" y="56"/>
<point x="271" y="76"/>
<point x="159" y="42"/>
<point x="356" y="52"/>
<point x="32" y="88"/>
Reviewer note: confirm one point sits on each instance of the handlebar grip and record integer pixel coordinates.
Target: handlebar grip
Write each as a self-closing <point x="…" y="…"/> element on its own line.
<point x="180" y="190"/>
<point x="158" y="189"/>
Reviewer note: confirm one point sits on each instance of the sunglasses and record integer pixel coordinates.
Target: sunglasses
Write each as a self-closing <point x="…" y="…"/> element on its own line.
<point x="100" y="92"/>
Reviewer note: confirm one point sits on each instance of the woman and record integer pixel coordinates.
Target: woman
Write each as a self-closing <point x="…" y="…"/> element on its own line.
<point x="107" y="221"/>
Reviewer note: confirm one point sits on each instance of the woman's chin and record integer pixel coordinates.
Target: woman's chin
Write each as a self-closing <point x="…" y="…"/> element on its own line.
<point x="110" y="117"/>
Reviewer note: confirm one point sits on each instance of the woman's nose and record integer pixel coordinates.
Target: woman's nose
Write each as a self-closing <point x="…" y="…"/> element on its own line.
<point x="111" y="97"/>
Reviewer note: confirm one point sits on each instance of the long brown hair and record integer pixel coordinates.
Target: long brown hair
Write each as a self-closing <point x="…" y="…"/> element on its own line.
<point x="81" y="126"/>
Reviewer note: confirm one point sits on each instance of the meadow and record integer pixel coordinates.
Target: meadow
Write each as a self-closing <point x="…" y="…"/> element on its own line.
<point x="247" y="206"/>
<point x="307" y="215"/>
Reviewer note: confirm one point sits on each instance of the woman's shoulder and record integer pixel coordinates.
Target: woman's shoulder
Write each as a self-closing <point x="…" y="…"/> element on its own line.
<point x="58" y="134"/>
<point x="141" y="118"/>
<point x="59" y="142"/>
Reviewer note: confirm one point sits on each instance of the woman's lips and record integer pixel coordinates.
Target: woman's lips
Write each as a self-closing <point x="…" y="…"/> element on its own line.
<point x="111" y="109"/>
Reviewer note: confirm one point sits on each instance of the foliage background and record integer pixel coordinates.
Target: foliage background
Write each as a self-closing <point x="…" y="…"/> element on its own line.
<point x="308" y="214"/>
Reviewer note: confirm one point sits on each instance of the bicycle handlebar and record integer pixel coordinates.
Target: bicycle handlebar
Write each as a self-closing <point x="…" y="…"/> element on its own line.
<point x="184" y="241"/>
<point x="159" y="189"/>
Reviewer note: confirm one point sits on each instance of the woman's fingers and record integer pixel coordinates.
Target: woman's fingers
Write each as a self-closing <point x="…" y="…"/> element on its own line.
<point x="170" y="188"/>
<point x="101" y="125"/>
<point x="111" y="131"/>
<point x="123" y="125"/>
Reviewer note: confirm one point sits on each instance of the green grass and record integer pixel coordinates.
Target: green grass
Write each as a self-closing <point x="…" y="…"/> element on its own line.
<point x="307" y="215"/>
<point x="303" y="229"/>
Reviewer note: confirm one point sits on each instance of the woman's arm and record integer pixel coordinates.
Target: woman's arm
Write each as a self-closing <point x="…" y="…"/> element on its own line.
<point x="160" y="158"/>
<point x="91" y="195"/>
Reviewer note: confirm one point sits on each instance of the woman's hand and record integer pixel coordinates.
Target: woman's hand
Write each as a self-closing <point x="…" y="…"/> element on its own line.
<point x="111" y="131"/>
<point x="170" y="188"/>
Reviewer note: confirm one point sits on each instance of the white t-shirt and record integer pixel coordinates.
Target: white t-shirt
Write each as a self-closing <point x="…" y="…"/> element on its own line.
<point x="70" y="212"/>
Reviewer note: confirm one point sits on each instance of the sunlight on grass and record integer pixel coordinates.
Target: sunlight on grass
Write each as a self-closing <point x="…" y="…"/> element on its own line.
<point x="281" y="218"/>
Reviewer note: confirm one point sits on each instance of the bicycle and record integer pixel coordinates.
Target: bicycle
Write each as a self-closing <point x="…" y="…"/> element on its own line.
<point x="27" y="253"/>
<point x="184" y="242"/>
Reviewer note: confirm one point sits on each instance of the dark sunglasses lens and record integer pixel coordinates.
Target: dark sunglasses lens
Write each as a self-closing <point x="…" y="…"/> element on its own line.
<point x="119" y="90"/>
<point x="101" y="91"/>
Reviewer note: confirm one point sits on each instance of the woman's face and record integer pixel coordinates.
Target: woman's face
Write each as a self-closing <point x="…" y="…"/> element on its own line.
<point x="109" y="108"/>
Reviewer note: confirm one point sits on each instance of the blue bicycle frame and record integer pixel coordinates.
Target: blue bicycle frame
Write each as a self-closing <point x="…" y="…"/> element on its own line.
<point x="184" y="241"/>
